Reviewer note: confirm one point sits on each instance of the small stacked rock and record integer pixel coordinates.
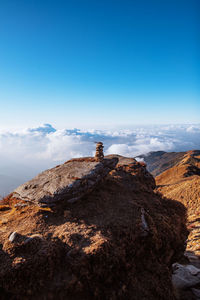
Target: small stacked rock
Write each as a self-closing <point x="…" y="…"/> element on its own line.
<point x="99" y="156"/>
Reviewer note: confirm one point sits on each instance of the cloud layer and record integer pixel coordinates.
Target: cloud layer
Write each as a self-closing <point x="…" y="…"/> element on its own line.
<point x="25" y="153"/>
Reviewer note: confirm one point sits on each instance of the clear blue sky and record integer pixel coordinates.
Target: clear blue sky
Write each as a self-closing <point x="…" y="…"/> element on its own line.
<point x="99" y="63"/>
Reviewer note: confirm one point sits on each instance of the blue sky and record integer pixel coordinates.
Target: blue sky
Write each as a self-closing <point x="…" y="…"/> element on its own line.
<point x="99" y="63"/>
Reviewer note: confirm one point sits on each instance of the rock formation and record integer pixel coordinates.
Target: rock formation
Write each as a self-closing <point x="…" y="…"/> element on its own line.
<point x="118" y="241"/>
<point x="67" y="182"/>
<point x="185" y="276"/>
<point x="99" y="156"/>
<point x="186" y="281"/>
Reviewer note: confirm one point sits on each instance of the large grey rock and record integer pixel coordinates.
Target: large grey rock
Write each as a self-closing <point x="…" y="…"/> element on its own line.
<point x="69" y="181"/>
<point x="185" y="276"/>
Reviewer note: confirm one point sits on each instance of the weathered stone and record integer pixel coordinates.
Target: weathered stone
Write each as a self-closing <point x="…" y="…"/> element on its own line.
<point x="185" y="276"/>
<point x="14" y="237"/>
<point x="32" y="238"/>
<point x="69" y="181"/>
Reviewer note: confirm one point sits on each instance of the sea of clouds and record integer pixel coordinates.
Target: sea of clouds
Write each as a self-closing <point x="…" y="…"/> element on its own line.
<point x="26" y="152"/>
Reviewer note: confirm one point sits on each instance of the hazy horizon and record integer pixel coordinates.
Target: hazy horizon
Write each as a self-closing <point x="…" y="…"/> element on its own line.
<point x="24" y="153"/>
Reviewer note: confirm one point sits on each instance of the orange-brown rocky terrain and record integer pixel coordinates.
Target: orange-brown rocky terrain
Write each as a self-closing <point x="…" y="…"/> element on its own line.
<point x="159" y="161"/>
<point x="118" y="240"/>
<point x="181" y="182"/>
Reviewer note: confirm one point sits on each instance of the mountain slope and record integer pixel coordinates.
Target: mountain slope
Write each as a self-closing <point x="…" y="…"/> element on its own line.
<point x="159" y="161"/>
<point x="117" y="242"/>
<point x="182" y="183"/>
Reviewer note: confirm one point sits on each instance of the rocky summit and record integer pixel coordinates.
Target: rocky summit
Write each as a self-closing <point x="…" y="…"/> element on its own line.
<point x="69" y="181"/>
<point x="118" y="241"/>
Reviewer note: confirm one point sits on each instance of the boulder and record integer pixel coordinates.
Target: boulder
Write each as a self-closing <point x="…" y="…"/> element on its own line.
<point x="69" y="181"/>
<point x="185" y="276"/>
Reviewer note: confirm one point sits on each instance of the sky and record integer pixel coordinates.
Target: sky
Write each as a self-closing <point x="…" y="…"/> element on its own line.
<point x="99" y="64"/>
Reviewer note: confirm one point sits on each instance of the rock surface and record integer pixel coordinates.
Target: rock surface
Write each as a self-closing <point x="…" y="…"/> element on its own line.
<point x="118" y="242"/>
<point x="185" y="276"/>
<point x="13" y="237"/>
<point x="69" y="181"/>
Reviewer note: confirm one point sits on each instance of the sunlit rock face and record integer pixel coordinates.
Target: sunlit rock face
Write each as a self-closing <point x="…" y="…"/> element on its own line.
<point x="68" y="182"/>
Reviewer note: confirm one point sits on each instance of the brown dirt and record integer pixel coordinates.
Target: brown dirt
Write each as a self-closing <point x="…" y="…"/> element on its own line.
<point x="97" y="248"/>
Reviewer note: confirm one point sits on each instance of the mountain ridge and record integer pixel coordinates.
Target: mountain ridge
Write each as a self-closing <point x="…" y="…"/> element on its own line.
<point x="158" y="161"/>
<point x="181" y="182"/>
<point x="118" y="241"/>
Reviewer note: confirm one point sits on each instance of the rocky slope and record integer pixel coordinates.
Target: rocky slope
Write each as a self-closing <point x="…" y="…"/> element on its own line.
<point x="159" y="161"/>
<point x="178" y="177"/>
<point x="118" y="241"/>
<point x="181" y="182"/>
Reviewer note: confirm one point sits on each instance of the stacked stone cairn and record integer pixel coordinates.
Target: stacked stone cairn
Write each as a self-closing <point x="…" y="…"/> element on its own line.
<point x="99" y="156"/>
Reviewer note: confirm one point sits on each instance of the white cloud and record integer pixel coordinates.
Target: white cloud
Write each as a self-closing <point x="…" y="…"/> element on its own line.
<point x="193" y="129"/>
<point x="25" y="153"/>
